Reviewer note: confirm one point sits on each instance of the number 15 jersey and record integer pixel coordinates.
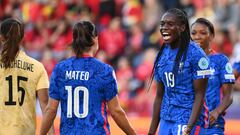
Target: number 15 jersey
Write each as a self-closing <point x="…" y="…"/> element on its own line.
<point x="18" y="85"/>
<point x="83" y="86"/>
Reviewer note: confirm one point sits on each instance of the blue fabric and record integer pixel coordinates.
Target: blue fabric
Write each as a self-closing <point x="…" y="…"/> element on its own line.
<point x="236" y="66"/>
<point x="221" y="73"/>
<point x="88" y="82"/>
<point x="172" y="128"/>
<point x="178" y="97"/>
<point x="214" y="131"/>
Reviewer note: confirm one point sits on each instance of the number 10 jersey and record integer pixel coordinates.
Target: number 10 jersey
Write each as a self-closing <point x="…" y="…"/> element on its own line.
<point x="83" y="86"/>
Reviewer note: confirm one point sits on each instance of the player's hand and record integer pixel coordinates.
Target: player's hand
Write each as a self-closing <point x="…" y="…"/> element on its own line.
<point x="186" y="131"/>
<point x="213" y="116"/>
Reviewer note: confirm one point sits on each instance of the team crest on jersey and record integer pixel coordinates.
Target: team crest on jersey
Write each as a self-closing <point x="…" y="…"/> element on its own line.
<point x="203" y="63"/>
<point x="228" y="68"/>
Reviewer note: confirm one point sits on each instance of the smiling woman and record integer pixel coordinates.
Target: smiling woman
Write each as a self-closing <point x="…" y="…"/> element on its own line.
<point x="219" y="91"/>
<point x="180" y="86"/>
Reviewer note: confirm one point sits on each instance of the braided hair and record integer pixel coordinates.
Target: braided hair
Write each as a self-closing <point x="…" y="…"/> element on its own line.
<point x="184" y="40"/>
<point x="12" y="31"/>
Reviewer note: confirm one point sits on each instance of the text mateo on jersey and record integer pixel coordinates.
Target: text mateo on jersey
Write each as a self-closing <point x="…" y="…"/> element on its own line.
<point x="77" y="75"/>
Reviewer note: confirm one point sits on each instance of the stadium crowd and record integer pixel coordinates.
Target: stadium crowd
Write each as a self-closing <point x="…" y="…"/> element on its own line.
<point x="128" y="35"/>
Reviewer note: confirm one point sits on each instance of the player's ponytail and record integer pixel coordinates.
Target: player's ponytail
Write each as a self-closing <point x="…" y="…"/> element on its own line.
<point x="12" y="32"/>
<point x="83" y="34"/>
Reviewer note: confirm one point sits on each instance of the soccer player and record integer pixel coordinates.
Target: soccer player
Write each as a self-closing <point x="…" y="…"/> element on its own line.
<point x="219" y="90"/>
<point x="84" y="86"/>
<point x="181" y="70"/>
<point x="22" y="80"/>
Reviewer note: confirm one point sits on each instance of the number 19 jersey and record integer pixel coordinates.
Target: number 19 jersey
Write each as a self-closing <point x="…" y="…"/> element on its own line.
<point x="18" y="85"/>
<point x="83" y="86"/>
<point x="178" y="95"/>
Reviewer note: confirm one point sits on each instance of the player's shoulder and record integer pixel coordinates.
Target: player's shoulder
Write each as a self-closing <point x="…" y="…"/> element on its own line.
<point x="195" y="52"/>
<point x="195" y="48"/>
<point x="219" y="57"/>
<point x="101" y="65"/>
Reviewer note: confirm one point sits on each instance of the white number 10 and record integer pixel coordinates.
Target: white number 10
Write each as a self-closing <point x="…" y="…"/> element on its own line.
<point x="76" y="101"/>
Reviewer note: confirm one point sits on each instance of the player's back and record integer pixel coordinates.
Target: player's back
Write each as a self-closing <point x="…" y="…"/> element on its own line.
<point x="83" y="85"/>
<point x="18" y="85"/>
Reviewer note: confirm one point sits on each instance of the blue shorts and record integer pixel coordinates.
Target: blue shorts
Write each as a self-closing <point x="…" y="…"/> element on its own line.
<point x="172" y="128"/>
<point x="208" y="131"/>
<point x="215" y="130"/>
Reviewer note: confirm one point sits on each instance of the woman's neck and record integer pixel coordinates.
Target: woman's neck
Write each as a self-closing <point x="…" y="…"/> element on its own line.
<point x="87" y="54"/>
<point x="208" y="50"/>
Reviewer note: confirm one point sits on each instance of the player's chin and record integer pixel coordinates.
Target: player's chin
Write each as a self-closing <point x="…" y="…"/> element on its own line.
<point x="167" y="41"/>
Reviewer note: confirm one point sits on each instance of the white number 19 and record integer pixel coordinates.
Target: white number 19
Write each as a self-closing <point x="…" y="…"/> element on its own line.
<point x="181" y="128"/>
<point x="170" y="79"/>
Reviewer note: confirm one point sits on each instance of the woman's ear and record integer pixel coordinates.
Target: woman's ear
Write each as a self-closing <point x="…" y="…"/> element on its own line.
<point x="182" y="28"/>
<point x="211" y="37"/>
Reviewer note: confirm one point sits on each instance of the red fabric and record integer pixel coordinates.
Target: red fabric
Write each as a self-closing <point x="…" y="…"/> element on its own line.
<point x="94" y="5"/>
<point x="147" y="68"/>
<point x="206" y="111"/>
<point x="49" y="65"/>
<point x="34" y="41"/>
<point x="105" y="120"/>
<point x="123" y="77"/>
<point x="225" y="47"/>
<point x="63" y="42"/>
<point x="60" y="10"/>
<point x="197" y="130"/>
<point x="35" y="11"/>
<point x="112" y="42"/>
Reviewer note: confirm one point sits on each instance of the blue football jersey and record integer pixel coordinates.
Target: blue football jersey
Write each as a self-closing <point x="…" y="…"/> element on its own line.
<point x="221" y="72"/>
<point x="236" y="66"/>
<point x="178" y="96"/>
<point x="83" y="86"/>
